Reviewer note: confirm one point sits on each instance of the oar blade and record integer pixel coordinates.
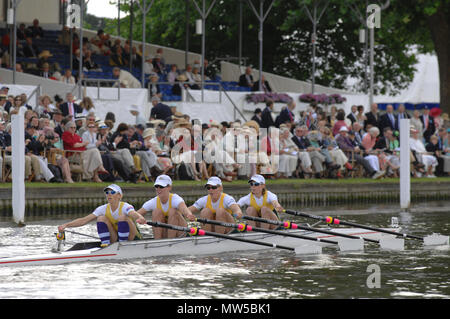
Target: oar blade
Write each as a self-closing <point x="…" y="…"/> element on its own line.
<point x="435" y="240"/>
<point x="392" y="243"/>
<point x="351" y="244"/>
<point x="308" y="250"/>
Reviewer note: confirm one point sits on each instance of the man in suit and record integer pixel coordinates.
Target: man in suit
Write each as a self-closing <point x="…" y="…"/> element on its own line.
<point x="286" y="115"/>
<point x="352" y="115"/>
<point x="308" y="154"/>
<point x="401" y="114"/>
<point x="246" y="80"/>
<point x="70" y="107"/>
<point x="257" y="117"/>
<point x="30" y="50"/>
<point x="266" y="116"/>
<point x="428" y="124"/>
<point x="372" y="117"/>
<point x="388" y="119"/>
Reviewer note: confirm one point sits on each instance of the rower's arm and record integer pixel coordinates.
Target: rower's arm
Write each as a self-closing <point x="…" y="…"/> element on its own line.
<point x="78" y="222"/>
<point x="193" y="209"/>
<point x="277" y="206"/>
<point x="236" y="210"/>
<point x="141" y="211"/>
<point x="186" y="211"/>
<point x="137" y="217"/>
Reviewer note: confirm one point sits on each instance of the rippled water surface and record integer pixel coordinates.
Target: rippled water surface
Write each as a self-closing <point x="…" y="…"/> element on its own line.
<point x="413" y="273"/>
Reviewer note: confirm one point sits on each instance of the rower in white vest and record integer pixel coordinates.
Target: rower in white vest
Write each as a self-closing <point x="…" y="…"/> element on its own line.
<point x="217" y="206"/>
<point x="115" y="220"/>
<point x="261" y="202"/>
<point x="166" y="208"/>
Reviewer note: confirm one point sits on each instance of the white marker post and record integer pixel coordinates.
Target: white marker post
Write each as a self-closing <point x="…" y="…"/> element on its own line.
<point x="18" y="168"/>
<point x="405" y="173"/>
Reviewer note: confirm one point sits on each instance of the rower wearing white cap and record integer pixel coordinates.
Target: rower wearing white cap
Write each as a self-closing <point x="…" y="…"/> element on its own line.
<point x="260" y="202"/>
<point x="217" y="206"/>
<point x="166" y="207"/>
<point x="115" y="220"/>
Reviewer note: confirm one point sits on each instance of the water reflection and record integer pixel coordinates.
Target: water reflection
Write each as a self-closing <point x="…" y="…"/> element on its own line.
<point x="413" y="273"/>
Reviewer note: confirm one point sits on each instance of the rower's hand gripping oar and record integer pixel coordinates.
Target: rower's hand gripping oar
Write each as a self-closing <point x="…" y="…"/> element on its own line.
<point x="347" y="245"/>
<point x="431" y="240"/>
<point x="194" y="231"/>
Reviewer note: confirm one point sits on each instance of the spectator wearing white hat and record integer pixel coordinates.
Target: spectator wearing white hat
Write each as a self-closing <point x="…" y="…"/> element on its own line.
<point x="115" y="220"/>
<point x="166" y="207"/>
<point x="216" y="206"/>
<point x="260" y="202"/>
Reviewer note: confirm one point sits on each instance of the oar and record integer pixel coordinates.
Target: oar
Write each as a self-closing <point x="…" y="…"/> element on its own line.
<point x="349" y="245"/>
<point x="430" y="240"/>
<point x="291" y="225"/>
<point x="194" y="231"/>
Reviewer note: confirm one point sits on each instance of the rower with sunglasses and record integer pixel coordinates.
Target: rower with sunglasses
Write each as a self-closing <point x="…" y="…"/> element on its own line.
<point x="115" y="220"/>
<point x="217" y="206"/>
<point x="166" y="208"/>
<point x="261" y="202"/>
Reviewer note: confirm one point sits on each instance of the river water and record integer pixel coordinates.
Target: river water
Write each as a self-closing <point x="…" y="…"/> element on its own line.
<point x="416" y="272"/>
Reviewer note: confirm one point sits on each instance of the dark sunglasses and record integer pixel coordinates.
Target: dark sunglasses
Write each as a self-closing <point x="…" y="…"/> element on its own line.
<point x="160" y="186"/>
<point x="254" y="184"/>
<point x="110" y="192"/>
<point x="208" y="187"/>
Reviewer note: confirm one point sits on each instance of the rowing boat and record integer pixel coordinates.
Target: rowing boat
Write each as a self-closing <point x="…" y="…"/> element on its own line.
<point x="205" y="245"/>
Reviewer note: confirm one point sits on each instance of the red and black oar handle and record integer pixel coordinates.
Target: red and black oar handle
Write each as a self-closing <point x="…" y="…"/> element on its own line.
<point x="335" y="221"/>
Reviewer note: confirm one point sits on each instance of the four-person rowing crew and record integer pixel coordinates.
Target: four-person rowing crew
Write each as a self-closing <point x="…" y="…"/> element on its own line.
<point x="117" y="220"/>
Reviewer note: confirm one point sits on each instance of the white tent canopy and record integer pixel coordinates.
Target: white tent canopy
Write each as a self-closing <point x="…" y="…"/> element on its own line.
<point x="424" y="89"/>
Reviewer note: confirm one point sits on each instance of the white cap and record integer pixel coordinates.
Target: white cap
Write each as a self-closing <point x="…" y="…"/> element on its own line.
<point x="343" y="129"/>
<point x="258" y="179"/>
<point x="163" y="180"/>
<point x="214" y="181"/>
<point x="115" y="188"/>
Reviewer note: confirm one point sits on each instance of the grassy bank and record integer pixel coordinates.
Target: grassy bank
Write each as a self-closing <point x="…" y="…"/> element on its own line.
<point x="240" y="182"/>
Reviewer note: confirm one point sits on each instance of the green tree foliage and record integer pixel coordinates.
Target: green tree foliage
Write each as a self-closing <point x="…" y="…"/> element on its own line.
<point x="407" y="28"/>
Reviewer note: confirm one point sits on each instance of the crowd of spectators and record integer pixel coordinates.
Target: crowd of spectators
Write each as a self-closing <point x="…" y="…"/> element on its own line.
<point x="66" y="140"/>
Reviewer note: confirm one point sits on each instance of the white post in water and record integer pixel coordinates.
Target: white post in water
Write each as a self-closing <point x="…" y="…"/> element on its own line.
<point x="18" y="168"/>
<point x="405" y="174"/>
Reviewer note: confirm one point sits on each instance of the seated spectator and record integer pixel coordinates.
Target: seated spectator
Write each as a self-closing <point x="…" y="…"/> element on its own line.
<point x="159" y="111"/>
<point x="340" y="122"/>
<point x="45" y="105"/>
<point x="92" y="160"/>
<point x="371" y="154"/>
<point x="429" y="161"/>
<point x="87" y="105"/>
<point x="338" y="156"/>
<point x="353" y="152"/>
<point x="173" y="74"/>
<point x="265" y="85"/>
<point x="154" y="87"/>
<point x="22" y="32"/>
<point x="196" y="76"/>
<point x="29" y="49"/>
<point x="44" y="58"/>
<point x="246" y="79"/>
<point x="308" y="154"/>
<point x="117" y="58"/>
<point x="390" y="146"/>
<point x="126" y="79"/>
<point x="124" y="148"/>
<point x="288" y="155"/>
<point x="35" y="30"/>
<point x="158" y="66"/>
<point x="68" y="77"/>
<point x="64" y="37"/>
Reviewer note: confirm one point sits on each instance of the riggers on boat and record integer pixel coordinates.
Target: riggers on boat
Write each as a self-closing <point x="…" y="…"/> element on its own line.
<point x="191" y="245"/>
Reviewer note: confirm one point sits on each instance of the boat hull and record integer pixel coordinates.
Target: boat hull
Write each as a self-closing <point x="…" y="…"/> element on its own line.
<point x="205" y="245"/>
